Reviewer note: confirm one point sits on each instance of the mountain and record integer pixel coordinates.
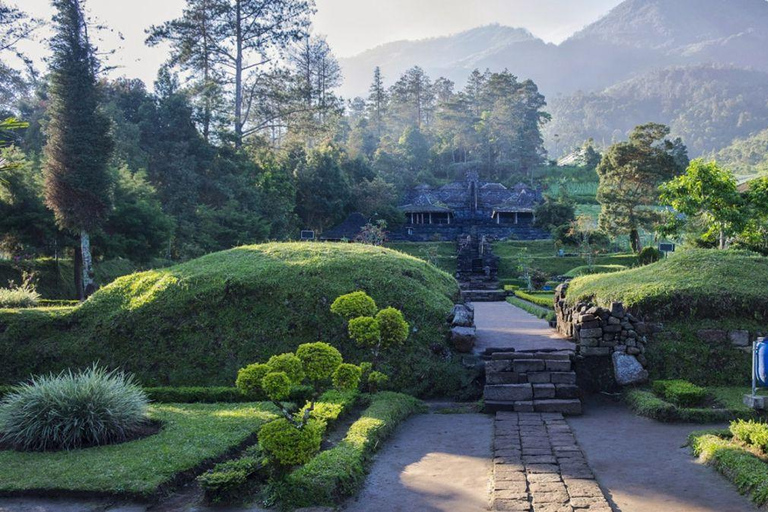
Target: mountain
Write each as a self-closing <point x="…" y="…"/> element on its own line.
<point x="707" y="106"/>
<point x="453" y="57"/>
<point x="635" y="37"/>
<point x="746" y="157"/>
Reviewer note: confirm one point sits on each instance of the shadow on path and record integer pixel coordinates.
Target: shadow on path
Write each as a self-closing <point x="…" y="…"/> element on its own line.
<point x="642" y="464"/>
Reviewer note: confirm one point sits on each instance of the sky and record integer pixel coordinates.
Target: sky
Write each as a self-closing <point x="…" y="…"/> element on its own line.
<point x="351" y="26"/>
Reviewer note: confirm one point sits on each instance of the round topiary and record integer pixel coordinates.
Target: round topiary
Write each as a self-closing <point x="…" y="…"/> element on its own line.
<point x="288" y="363"/>
<point x="354" y="305"/>
<point x="288" y="444"/>
<point x="249" y="379"/>
<point x="393" y="327"/>
<point x="377" y="381"/>
<point x="649" y="255"/>
<point x="320" y="360"/>
<point x="347" y="377"/>
<point x="276" y="385"/>
<point x="365" y="331"/>
<point x="73" y="410"/>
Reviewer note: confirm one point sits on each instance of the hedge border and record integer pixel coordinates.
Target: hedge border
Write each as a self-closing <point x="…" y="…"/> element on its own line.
<point x="645" y="403"/>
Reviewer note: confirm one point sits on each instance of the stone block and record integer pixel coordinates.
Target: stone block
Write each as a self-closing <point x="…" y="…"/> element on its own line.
<point x="567" y="391"/>
<point x="559" y="366"/>
<point x="755" y="402"/>
<point x="543" y="391"/>
<point x="496" y="356"/>
<point x="523" y="406"/>
<point x="595" y="351"/>
<point x="590" y="325"/>
<point x="589" y="342"/>
<point x="713" y="336"/>
<point x="617" y="310"/>
<point x="572" y="406"/>
<point x="612" y="329"/>
<point x="502" y="378"/>
<point x="539" y="377"/>
<point x="627" y="370"/>
<point x="563" y="378"/>
<point x="614" y="321"/>
<point x="590" y="333"/>
<point x="462" y="316"/>
<point x="463" y="338"/>
<point x="497" y="366"/>
<point x="528" y="365"/>
<point x="739" y="338"/>
<point x="508" y="392"/>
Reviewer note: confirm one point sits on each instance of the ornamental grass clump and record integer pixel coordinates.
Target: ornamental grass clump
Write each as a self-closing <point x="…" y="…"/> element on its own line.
<point x="73" y="410"/>
<point x="22" y="295"/>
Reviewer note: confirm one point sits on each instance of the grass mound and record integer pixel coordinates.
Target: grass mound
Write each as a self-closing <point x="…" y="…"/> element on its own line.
<point x="594" y="269"/>
<point x="697" y="283"/>
<point x="199" y="322"/>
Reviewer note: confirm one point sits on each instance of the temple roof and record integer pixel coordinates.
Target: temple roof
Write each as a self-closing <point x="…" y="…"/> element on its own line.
<point x="424" y="203"/>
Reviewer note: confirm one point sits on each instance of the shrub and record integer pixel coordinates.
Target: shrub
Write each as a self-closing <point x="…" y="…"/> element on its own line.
<point x="227" y="481"/>
<point x="276" y="385"/>
<point x="289" y="364"/>
<point x="249" y="379"/>
<point x="392" y="326"/>
<point x="751" y="432"/>
<point x="347" y="376"/>
<point x="73" y="410"/>
<point x="290" y="445"/>
<point x="538" y="279"/>
<point x="545" y="301"/>
<point x="353" y="305"/>
<point x="649" y="255"/>
<point x="377" y="381"/>
<point x="365" y="330"/>
<point x="338" y="472"/>
<point x="23" y="295"/>
<point x="680" y="392"/>
<point x="320" y="360"/>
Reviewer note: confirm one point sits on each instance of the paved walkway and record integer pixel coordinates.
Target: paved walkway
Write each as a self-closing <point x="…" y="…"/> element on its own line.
<point x="435" y="462"/>
<point x="502" y="325"/>
<point x="539" y="467"/>
<point x="643" y="466"/>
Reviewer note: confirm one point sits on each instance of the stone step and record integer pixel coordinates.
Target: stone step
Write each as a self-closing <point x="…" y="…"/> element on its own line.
<point x="484" y="295"/>
<point x="527" y="366"/>
<point x="564" y="406"/>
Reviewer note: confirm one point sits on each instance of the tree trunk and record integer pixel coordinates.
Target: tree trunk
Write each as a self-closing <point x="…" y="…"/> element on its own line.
<point x="79" y="274"/>
<point x="88" y="286"/>
<point x="634" y="239"/>
<point x="239" y="76"/>
<point x="722" y="239"/>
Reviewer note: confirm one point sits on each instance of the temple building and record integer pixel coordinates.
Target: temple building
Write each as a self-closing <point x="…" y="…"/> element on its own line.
<point x="472" y="205"/>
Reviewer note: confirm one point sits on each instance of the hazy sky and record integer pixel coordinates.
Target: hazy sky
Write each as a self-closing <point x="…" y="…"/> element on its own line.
<point x="351" y="26"/>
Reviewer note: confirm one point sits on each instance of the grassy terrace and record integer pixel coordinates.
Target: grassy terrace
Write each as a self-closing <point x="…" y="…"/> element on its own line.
<point x="544" y="256"/>
<point x="191" y="436"/>
<point x="440" y="254"/>
<point x="696" y="283"/>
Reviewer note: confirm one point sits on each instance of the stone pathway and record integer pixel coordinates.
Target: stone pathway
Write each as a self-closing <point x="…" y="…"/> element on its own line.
<point x="539" y="467"/>
<point x="501" y="325"/>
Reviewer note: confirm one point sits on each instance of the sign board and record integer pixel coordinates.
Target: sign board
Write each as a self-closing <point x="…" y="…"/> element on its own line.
<point x="667" y="247"/>
<point x="307" y="235"/>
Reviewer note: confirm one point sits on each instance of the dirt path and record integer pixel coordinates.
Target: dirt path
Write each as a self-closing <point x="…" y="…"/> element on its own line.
<point x="435" y="462"/>
<point x="642" y="466"/>
<point x="502" y="325"/>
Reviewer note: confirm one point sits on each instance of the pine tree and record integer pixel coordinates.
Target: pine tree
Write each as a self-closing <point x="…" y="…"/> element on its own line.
<point x="377" y="101"/>
<point x="77" y="184"/>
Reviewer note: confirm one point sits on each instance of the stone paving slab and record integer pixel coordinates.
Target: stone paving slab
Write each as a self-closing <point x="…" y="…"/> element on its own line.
<point x="539" y="467"/>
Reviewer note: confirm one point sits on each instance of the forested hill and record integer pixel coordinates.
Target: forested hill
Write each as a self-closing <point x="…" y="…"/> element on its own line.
<point x="707" y="106"/>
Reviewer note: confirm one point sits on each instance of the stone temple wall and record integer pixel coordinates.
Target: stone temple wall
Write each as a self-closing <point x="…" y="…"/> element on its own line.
<point x="610" y="333"/>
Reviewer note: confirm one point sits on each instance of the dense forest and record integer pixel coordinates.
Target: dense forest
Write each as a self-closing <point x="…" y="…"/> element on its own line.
<point x="242" y="137"/>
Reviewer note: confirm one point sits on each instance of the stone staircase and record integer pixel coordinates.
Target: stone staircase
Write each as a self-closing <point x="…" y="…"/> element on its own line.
<point x="531" y="382"/>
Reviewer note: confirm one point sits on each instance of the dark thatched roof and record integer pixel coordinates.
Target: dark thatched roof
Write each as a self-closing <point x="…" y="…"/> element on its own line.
<point x="349" y="229"/>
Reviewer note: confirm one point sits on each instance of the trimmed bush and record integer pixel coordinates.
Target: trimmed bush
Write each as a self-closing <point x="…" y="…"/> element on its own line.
<point x="646" y="403"/>
<point x="290" y="445"/>
<point x="353" y="305"/>
<point x="73" y="410"/>
<point x="289" y="364"/>
<point x="545" y="300"/>
<point x="751" y="432"/>
<point x="541" y="312"/>
<point x="230" y="481"/>
<point x="392" y="326"/>
<point x="365" y="331"/>
<point x="276" y="385"/>
<point x="347" y="376"/>
<point x="649" y="255"/>
<point x="337" y="473"/>
<point x="377" y="381"/>
<point x="680" y="392"/>
<point x="249" y="379"/>
<point x="320" y="360"/>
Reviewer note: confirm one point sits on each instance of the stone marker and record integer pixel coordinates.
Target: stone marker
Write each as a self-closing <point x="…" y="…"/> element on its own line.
<point x="628" y="370"/>
<point x="463" y="338"/>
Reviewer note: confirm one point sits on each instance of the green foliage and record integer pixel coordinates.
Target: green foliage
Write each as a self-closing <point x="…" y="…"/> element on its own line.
<point x="649" y="255"/>
<point x="555" y="212"/>
<point x="365" y="331"/>
<point x="353" y="305"/>
<point x="680" y="392"/>
<point x="288" y="363"/>
<point x="537" y="311"/>
<point x="746" y="156"/>
<point x="744" y="469"/>
<point x="646" y="403"/>
<point x="752" y="433"/>
<point x="337" y="473"/>
<point x="245" y="299"/>
<point x="392" y="326"/>
<point x="193" y="395"/>
<point x="276" y="385"/>
<point x="332" y="404"/>
<point x="228" y="481"/>
<point x="73" y="410"/>
<point x="543" y="299"/>
<point x="290" y="445"/>
<point x="249" y="379"/>
<point x="377" y="381"/>
<point x="23" y="295"/>
<point x="320" y="360"/>
<point x="689" y="284"/>
<point x="193" y="433"/>
<point x="347" y="376"/>
<point x="594" y="269"/>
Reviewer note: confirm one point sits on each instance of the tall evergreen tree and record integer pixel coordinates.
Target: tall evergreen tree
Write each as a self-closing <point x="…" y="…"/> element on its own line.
<point x="377" y="101"/>
<point x="77" y="183"/>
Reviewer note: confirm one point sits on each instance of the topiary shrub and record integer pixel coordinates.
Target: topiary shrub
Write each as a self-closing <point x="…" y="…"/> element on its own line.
<point x="288" y="363"/>
<point x="320" y="360"/>
<point x="347" y="377"/>
<point x="289" y="444"/>
<point x="276" y="385"/>
<point x="73" y="410"/>
<point x="249" y="379"/>
<point x="365" y="330"/>
<point x="680" y="392"/>
<point x="353" y="305"/>
<point x="649" y="255"/>
<point x="393" y="327"/>
<point x="377" y="381"/>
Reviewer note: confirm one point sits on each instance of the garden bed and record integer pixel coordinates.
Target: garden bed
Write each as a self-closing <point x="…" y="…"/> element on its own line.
<point x="191" y="438"/>
<point x="719" y="405"/>
<point x="537" y="311"/>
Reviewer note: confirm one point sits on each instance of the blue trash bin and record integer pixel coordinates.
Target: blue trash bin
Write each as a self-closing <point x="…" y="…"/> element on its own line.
<point x="761" y="362"/>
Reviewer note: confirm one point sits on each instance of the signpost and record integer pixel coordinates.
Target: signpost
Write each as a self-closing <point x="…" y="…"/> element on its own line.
<point x="759" y="374"/>
<point x="666" y="248"/>
<point x="307" y="235"/>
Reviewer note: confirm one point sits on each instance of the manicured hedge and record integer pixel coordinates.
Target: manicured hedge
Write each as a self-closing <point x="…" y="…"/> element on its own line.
<point x="545" y="300"/>
<point x="646" y="403"/>
<point x="537" y="311"/>
<point x="339" y="472"/>
<point x="680" y="392"/>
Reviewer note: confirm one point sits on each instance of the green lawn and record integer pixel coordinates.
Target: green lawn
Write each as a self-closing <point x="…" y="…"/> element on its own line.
<point x="191" y="436"/>
<point x="440" y="254"/>
<point x="728" y="398"/>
